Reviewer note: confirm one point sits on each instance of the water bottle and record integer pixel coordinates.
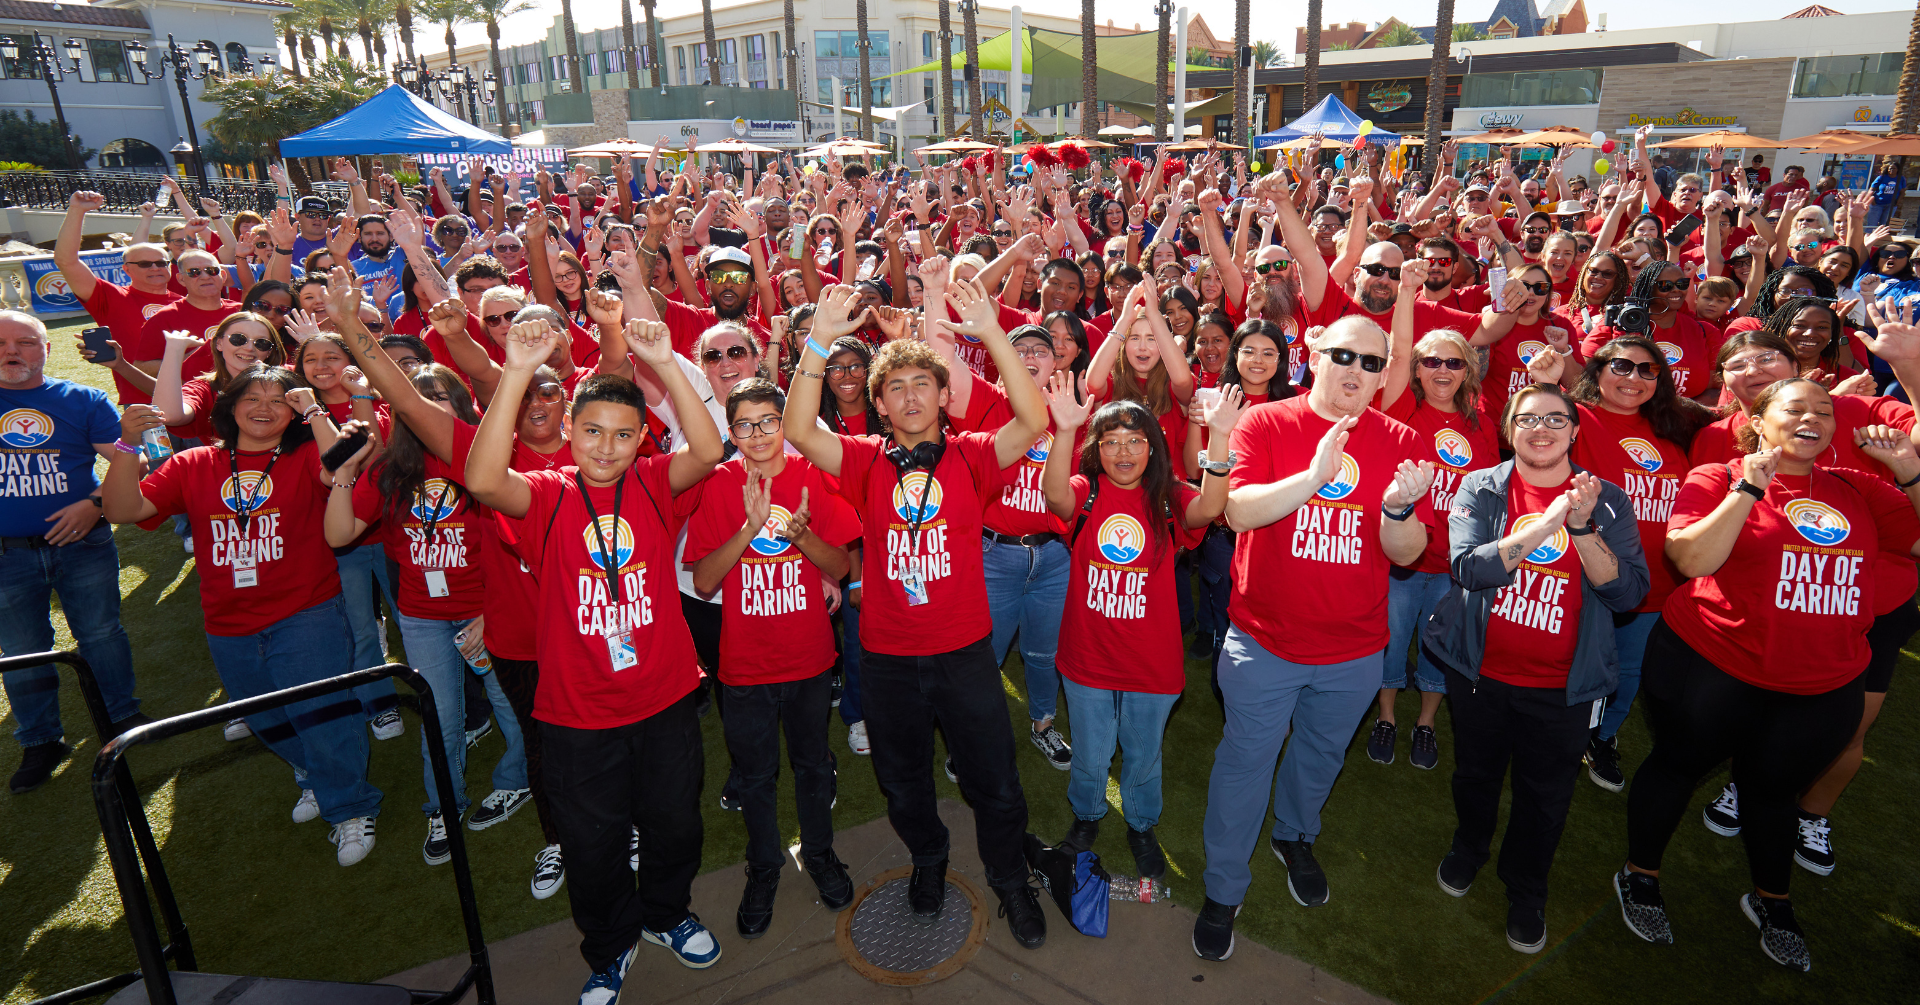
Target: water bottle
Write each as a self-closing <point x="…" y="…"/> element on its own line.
<point x="157" y="444"/>
<point x="1121" y="886"/>
<point x="481" y="664"/>
<point x="160" y="197"/>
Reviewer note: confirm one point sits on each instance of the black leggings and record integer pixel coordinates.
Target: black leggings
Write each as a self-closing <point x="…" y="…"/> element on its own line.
<point x="1701" y="716"/>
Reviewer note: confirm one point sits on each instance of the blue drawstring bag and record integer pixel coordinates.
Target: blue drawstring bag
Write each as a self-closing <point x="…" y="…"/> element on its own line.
<point x="1076" y="882"/>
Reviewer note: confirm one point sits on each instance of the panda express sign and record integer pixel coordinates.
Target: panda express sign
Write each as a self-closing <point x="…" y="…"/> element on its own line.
<point x="1684" y="117"/>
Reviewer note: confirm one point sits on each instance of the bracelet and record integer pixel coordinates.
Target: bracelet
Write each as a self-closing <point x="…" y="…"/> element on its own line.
<point x="121" y="445"/>
<point x="816" y="347"/>
<point x="853" y="585"/>
<point x="810" y="373"/>
<point x="346" y="484"/>
<point x="1403" y="514"/>
<point x="1909" y="483"/>
<point x="364" y="397"/>
<point x="1582" y="532"/>
<point x="284" y="251"/>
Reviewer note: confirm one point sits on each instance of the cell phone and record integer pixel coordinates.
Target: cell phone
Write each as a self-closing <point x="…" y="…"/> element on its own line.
<point x="95" y="340"/>
<point x="343" y="449"/>
<point x="1682" y="229"/>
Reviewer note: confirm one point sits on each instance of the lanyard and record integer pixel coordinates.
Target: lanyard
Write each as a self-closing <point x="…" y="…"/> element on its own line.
<point x="244" y="502"/>
<point x="607" y="559"/>
<point x="920" y="515"/>
<point x="432" y="518"/>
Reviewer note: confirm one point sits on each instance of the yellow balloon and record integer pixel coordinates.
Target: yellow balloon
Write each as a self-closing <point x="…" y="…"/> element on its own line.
<point x="1601" y="166"/>
<point x="1366" y="126"/>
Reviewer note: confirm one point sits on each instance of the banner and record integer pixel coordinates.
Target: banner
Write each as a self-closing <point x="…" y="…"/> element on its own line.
<point x="525" y="160"/>
<point x="49" y="289"/>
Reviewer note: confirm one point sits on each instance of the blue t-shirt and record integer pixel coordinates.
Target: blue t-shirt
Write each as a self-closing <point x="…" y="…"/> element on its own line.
<point x="46" y="451"/>
<point x="1887" y="188"/>
<point x="370" y="269"/>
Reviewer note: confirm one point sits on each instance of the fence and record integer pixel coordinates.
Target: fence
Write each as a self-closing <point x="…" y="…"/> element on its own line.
<point x="125" y="190"/>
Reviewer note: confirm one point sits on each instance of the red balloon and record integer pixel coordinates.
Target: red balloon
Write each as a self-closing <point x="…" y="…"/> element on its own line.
<point x="1359" y="141"/>
<point x="1607" y="147"/>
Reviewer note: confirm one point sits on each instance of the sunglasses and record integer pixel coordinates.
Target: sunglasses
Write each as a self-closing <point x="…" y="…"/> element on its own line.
<point x="1620" y="367"/>
<point x="1442" y="263"/>
<point x="1277" y="265"/>
<point x="314" y="214"/>
<point x="508" y="247"/>
<point x="1893" y="253"/>
<point x="374" y="326"/>
<point x="158" y="263"/>
<point x="1538" y="289"/>
<point x="237" y="340"/>
<point x="728" y="278"/>
<point x="1671" y="285"/>
<point x="1377" y="270"/>
<point x="997" y="232"/>
<point x="545" y="394"/>
<point x="1536" y="231"/>
<point x="743" y="429"/>
<point x="733" y="352"/>
<point x="197" y="271"/>
<point x="1435" y="363"/>
<point x="496" y="320"/>
<point x="262" y="307"/>
<point x="1346" y="357"/>
<point x="261" y="245"/>
<point x="1117" y="253"/>
<point x="1808" y="246"/>
<point x="1552" y="420"/>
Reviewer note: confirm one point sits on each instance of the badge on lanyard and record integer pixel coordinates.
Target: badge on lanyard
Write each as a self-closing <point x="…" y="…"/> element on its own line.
<point x="912" y="579"/>
<point x="244" y="572"/>
<point x="916" y="587"/>
<point x="436" y="578"/>
<point x="437" y="582"/>
<point x="620" y="650"/>
<point x="245" y="502"/>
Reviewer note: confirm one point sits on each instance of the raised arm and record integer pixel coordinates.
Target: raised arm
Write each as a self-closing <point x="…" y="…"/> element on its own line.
<point x="166" y="383"/>
<point x="120" y="498"/>
<point x="1701" y="548"/>
<point x="652" y="344"/>
<point x="66" y="246"/>
<point x="802" y="418"/>
<point x="449" y="318"/>
<point x="1069" y="413"/>
<point x="1221" y="416"/>
<point x="1413" y="273"/>
<point x="1173" y="355"/>
<point x="1299" y="241"/>
<point x="432" y="425"/>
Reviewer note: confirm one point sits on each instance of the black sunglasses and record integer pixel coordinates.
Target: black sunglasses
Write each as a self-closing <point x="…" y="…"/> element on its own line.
<point x="1435" y="363"/>
<point x="1894" y="252"/>
<point x="196" y="271"/>
<point x="237" y="340"/>
<point x="1670" y="285"/>
<point x="1538" y="289"/>
<point x="1377" y="270"/>
<point x="1620" y="367"/>
<point x="262" y="307"/>
<point x="314" y="214"/>
<point x="1346" y="357"/>
<point x="733" y="352"/>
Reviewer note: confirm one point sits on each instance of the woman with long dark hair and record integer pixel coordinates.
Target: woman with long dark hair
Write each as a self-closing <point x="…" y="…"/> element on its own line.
<point x="1208" y="350"/>
<point x="1070" y="350"/>
<point x="1816" y="333"/>
<point x="1683" y="341"/>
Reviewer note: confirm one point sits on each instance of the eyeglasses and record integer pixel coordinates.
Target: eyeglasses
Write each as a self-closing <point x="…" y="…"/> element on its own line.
<point x="1536" y="231"/>
<point x="1620" y="367"/>
<point x="1377" y="270"/>
<point x="545" y="394"/>
<point x="1440" y="263"/>
<point x="1130" y="445"/>
<point x="733" y="352"/>
<point x="1346" y="357"/>
<point x="1538" y="289"/>
<point x="237" y="340"/>
<point x="1033" y="351"/>
<point x="1756" y="361"/>
<point x="731" y="277"/>
<point x="197" y="271"/>
<point x="262" y="307"/>
<point x="846" y="370"/>
<point x="1436" y="362"/>
<point x="1671" y="285"/>
<point x="766" y="426"/>
<point x="1277" y="265"/>
<point x="496" y="320"/>
<point x="158" y="263"/>
<point x="1551" y="420"/>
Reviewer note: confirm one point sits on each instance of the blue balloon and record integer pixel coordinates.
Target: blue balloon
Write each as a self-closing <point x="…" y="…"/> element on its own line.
<point x="1339" y="160"/>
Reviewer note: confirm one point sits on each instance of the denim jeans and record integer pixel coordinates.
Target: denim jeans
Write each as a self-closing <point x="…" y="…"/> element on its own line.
<point x="86" y="575"/>
<point x="850" y="707"/>
<point x="325" y="737"/>
<point x="431" y="651"/>
<point x="1881" y="212"/>
<point x="359" y="569"/>
<point x="757" y="715"/>
<point x="1630" y="643"/>
<point x="1135" y="721"/>
<point x="1027" y="590"/>
<point x="1411" y="598"/>
<point x="1214" y="563"/>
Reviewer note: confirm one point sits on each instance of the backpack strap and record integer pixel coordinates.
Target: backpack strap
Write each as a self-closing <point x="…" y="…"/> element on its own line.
<point x="1080" y="519"/>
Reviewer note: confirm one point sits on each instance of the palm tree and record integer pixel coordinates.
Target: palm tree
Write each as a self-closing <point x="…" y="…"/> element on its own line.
<point x="448" y="13"/>
<point x="946" y="64"/>
<point x="573" y="47"/>
<point x="1468" y="33"/>
<point x="291" y="24"/>
<point x="1906" y="102"/>
<point x="1165" y="9"/>
<point x="793" y="60"/>
<point x="493" y="12"/>
<point x="1311" y="96"/>
<point x="326" y="34"/>
<point x="972" y="29"/>
<point x="1089" y="71"/>
<point x="713" y="45"/>
<point x="1242" y="35"/>
<point x="1443" y="31"/>
<point x="866" y="69"/>
<point x="403" y="19"/>
<point x="1265" y="53"/>
<point x="653" y="44"/>
<point x="633" y="49"/>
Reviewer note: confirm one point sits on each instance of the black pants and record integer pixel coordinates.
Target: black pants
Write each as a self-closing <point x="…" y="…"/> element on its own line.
<point x="1701" y="716"/>
<point x="756" y="716"/>
<point x="703" y="622"/>
<point x="602" y="784"/>
<point x="520" y="680"/>
<point x="905" y="697"/>
<point x="1533" y="729"/>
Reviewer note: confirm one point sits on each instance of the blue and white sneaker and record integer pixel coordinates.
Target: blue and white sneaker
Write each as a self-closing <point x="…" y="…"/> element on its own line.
<point x="603" y="988"/>
<point x="689" y="941"/>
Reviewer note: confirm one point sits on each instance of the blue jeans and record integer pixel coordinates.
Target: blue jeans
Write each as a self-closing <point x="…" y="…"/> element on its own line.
<point x="325" y="737"/>
<point x="850" y="708"/>
<point x="1135" y="721"/>
<point x="86" y="574"/>
<point x="1881" y="212"/>
<point x="359" y="569"/>
<point x="1630" y="643"/>
<point x="1411" y="598"/>
<point x="1027" y="590"/>
<point x="431" y="651"/>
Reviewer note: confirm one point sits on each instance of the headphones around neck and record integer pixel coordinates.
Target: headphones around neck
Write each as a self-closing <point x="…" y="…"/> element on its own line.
<point x="925" y="456"/>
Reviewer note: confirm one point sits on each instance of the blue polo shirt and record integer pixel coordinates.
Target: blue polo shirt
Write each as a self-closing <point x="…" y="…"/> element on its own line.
<point x="46" y="451"/>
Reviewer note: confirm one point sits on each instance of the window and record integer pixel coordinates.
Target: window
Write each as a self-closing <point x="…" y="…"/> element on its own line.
<point x="757" y="83"/>
<point x="533" y="73"/>
<point x="1840" y="76"/>
<point x="680" y="58"/>
<point x="513" y="112"/>
<point x="1551" y="87"/>
<point x="700" y="61"/>
<point x="23" y="67"/>
<point x="557" y="68"/>
<point x="616" y="60"/>
<point x="589" y="63"/>
<point x="926" y="45"/>
<point x="850" y="91"/>
<point x="729" y="52"/>
<point x="756" y="48"/>
<point x="536" y="111"/>
<point x="109" y="60"/>
<point x="237" y="58"/>
<point x="846" y="44"/>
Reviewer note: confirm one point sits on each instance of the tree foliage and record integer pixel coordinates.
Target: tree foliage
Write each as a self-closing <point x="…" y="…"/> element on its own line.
<point x="1468" y="33"/>
<point x="257" y="112"/>
<point x="29" y="139"/>
<point x="1399" y="35"/>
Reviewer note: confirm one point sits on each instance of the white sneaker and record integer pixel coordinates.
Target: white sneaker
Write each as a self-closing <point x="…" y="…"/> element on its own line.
<point x="387" y="725"/>
<point x="237" y="729"/>
<point x="307" y="808"/>
<point x="857" y="739"/>
<point x="354" y="838"/>
<point x="548" y="872"/>
<point x="187" y="543"/>
<point x="633" y="850"/>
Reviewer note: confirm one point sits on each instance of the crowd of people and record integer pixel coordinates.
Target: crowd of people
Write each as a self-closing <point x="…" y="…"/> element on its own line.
<point x="1544" y="447"/>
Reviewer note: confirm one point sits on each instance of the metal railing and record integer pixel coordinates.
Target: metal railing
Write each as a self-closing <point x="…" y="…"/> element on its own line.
<point x="125" y="190"/>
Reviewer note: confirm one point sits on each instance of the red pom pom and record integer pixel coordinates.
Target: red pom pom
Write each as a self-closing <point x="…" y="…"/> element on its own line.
<point x="1135" y="170"/>
<point x="972" y="164"/>
<point x="1074" y="156"/>
<point x="1173" y="168"/>
<point x="989" y="159"/>
<point x="1039" y="156"/>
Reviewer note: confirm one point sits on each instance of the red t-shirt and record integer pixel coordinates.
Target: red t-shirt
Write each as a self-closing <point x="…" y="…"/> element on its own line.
<point x="1623" y="449"/>
<point x="1121" y="627"/>
<point x="511" y="591"/>
<point x="584" y="348"/>
<point x="181" y="316"/>
<point x="126" y="310"/>
<point x="686" y="324"/>
<point x="1456" y="448"/>
<point x="1022" y="507"/>
<point x="286" y="504"/>
<point x="1789" y="609"/>
<point x="1427" y="316"/>
<point x="557" y="539"/>
<point x="197" y="394"/>
<point x="851" y="425"/>
<point x="1471" y="300"/>
<point x="1330" y="547"/>
<point x="1689" y="346"/>
<point x="773" y="591"/>
<point x="973" y="352"/>
<point x="948" y="509"/>
<point x="461" y="534"/>
<point x="1535" y="622"/>
<point x="1507" y="361"/>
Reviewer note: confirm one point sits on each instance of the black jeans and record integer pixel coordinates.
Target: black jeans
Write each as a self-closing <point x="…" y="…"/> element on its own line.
<point x="756" y="716"/>
<point x="602" y="783"/>
<point x="1701" y="716"/>
<point x="520" y="680"/>
<point x="905" y="697"/>
<point x="1533" y="729"/>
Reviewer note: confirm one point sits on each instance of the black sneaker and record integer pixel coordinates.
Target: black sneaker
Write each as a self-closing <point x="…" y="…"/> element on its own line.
<point x="1455" y="875"/>
<point x="1213" y="931"/>
<point x="1780" y="936"/>
<point x="1814" y="850"/>
<point x="497" y="807"/>
<point x="1053" y="745"/>
<point x="1148" y="860"/>
<point x="1603" y="763"/>
<point x="136" y="719"/>
<point x="36" y="765"/>
<point x="1526" y="928"/>
<point x="729" y="801"/>
<point x="756" y="902"/>
<point x="1426" y="748"/>
<point x="436" y="849"/>
<point x="1641" y="905"/>
<point x="1380" y="742"/>
<point x="1081" y="835"/>
<point x="1021" y="907"/>
<point x="1305" y="880"/>
<point x="927" y="891"/>
<point x="1723" y="816"/>
<point x="833" y="690"/>
<point x="1201" y="646"/>
<point x="829" y="876"/>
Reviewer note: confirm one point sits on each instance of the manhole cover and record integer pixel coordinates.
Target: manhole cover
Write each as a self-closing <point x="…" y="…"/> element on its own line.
<point x="882" y="940"/>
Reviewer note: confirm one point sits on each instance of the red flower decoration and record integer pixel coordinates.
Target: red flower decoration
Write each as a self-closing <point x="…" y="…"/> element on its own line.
<point x="1039" y="156"/>
<point x="972" y="164"/>
<point x="1135" y="170"/>
<point x="1074" y="156"/>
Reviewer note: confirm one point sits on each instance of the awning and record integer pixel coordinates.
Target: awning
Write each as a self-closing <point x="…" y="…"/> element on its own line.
<point x="394" y="122"/>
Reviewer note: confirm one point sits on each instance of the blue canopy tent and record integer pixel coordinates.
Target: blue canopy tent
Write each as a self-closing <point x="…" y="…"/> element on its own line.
<point x="394" y="122"/>
<point x="1330" y="118"/>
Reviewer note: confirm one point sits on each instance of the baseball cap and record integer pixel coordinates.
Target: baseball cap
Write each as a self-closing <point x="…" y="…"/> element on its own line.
<point x="310" y="204"/>
<point x="1402" y="228"/>
<point x="1340" y="181"/>
<point x="735" y="256"/>
<point x="1030" y="331"/>
<point x="1478" y="188"/>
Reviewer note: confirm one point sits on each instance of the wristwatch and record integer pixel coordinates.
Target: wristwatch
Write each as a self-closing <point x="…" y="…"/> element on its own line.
<point x="1750" y="488"/>
<point x="1221" y="468"/>
<point x="283" y="251"/>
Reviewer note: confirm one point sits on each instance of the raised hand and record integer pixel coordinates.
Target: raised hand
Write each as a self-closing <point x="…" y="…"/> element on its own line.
<point x="757" y="495"/>
<point x="1413" y="275"/>
<point x="303" y="326"/>
<point x="1558" y="338"/>
<point x="1758" y="468"/>
<point x="977" y="311"/>
<point x="798" y="520"/>
<point x="605" y="307"/>
<point x="448" y="317"/>
<point x="343" y="294"/>
<point x="136" y="420"/>
<point x="384" y="287"/>
<point x="1547" y="366"/>
<point x="1224" y="412"/>
<point x="1861" y="384"/>
<point x="300" y="399"/>
<point x="529" y="344"/>
<point x="1895" y="337"/>
<point x="1410" y="482"/>
<point x="839" y="314"/>
<point x="1326" y="456"/>
<point x="1069" y="412"/>
<point x="1581" y="499"/>
<point x="651" y="342"/>
<point x="1889" y="446"/>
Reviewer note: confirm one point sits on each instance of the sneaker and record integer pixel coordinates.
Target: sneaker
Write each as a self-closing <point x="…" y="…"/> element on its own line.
<point x="1201" y="645"/>
<point x="354" y="839"/>
<point x="829" y="876"/>
<point x="1641" y="905"/>
<point x="857" y="739"/>
<point x="603" y="987"/>
<point x="1305" y="880"/>
<point x="1526" y="928"/>
<point x="633" y="850"/>
<point x="1213" y="931"/>
<point x="136" y="719"/>
<point x="1380" y="742"/>
<point x="1426" y="749"/>
<point x="833" y="690"/>
<point x="1021" y="907"/>
<point x="756" y="902"/>
<point x="1723" y="817"/>
<point x="952" y="776"/>
<point x="237" y="729"/>
<point x="729" y="801"/>
<point x="1081" y="835"/>
<point x="1053" y="745"/>
<point x="186" y="543"/>
<point x="437" y="848"/>
<point x="1603" y="763"/>
<point x="1780" y="936"/>
<point x="689" y="941"/>
<point x="497" y="807"/>
<point x="307" y="808"/>
<point x="36" y="765"/>
<point x="478" y="733"/>
<point x="1814" y="851"/>
<point x="1455" y="875"/>
<point x="548" y="872"/>
<point x="927" y="891"/>
<point x="388" y="725"/>
<point x="1148" y="860"/>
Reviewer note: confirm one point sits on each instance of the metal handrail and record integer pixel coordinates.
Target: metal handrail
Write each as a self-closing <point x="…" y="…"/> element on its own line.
<point x="125" y="190"/>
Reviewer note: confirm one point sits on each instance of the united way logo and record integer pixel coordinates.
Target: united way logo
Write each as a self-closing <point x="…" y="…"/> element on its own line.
<point x="1345" y="480"/>
<point x="251" y="489"/>
<point x="1818" y="522"/>
<point x="25" y="427"/>
<point x="1549" y="550"/>
<point x="1121" y="539"/>
<point x="1292" y="330"/>
<point x="435" y="501"/>
<point x="617" y="534"/>
<point x="917" y="496"/>
<point x="1642" y="453"/>
<point x="1530" y="349"/>
<point x="1452" y="448"/>
<point x="1672" y="352"/>
<point x="1040" y="449"/>
<point x="150" y="310"/>
<point x="768" y="541"/>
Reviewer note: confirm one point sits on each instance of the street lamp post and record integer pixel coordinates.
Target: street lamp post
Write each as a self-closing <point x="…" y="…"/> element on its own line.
<point x="50" y="66"/>
<point x="182" y="61"/>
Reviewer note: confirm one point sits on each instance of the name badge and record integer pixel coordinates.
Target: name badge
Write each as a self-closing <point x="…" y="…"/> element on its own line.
<point x="437" y="583"/>
<point x="243" y="578"/>
<point x="620" y="651"/>
<point x="916" y="587"/>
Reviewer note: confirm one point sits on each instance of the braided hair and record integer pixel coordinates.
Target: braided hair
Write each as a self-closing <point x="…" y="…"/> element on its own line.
<point x="1616" y="292"/>
<point x="1783" y="317"/>
<point x="1763" y="305"/>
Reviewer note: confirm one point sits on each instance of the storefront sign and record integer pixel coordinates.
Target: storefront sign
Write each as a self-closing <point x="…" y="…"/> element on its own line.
<point x="1685" y="117"/>
<point x="770" y="130"/>
<point x="1865" y="114"/>
<point x="1500" y="120"/>
<point x="1389" y="97"/>
<point x="524" y="160"/>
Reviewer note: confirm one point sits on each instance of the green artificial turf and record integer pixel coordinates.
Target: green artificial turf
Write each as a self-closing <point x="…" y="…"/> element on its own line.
<point x="263" y="895"/>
